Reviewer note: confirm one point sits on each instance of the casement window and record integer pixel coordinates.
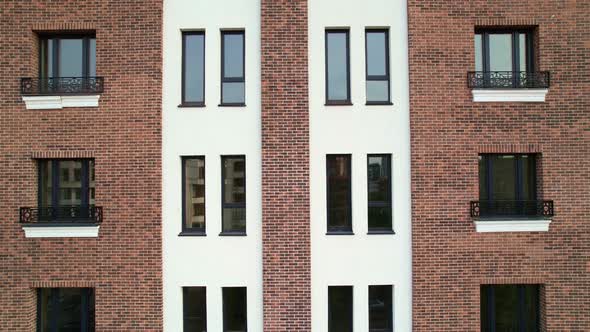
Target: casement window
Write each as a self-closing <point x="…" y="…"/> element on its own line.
<point x="233" y="194"/>
<point x="379" y="193"/>
<point x="337" y="67"/>
<point x="194" y="301"/>
<point x="67" y="56"/>
<point x="504" y="50"/>
<point x="235" y="309"/>
<point x="65" y="309"/>
<point x="233" y="68"/>
<point x="381" y="308"/>
<point x="377" y="66"/>
<point x="338" y="170"/>
<point x="193" y="68"/>
<point x="510" y="308"/>
<point x="193" y="192"/>
<point x="340" y="309"/>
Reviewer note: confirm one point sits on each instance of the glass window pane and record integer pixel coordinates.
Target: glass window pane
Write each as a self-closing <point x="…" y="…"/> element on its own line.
<point x="510" y="308"/>
<point x="194" y="170"/>
<point x="478" y="53"/>
<point x="194" y="67"/>
<point x="70" y="308"/>
<point x="337" y="66"/>
<point x="376" y="53"/>
<point x="379" y="191"/>
<point x="234" y="193"/>
<point x="500" y="52"/>
<point x="46" y="312"/>
<point x="339" y="191"/>
<point x="233" y="92"/>
<point x="380" y="308"/>
<point x="233" y="55"/>
<point x="483" y="177"/>
<point x="71" y="58"/>
<point x="91" y="182"/>
<point x="70" y="184"/>
<point x="235" y="309"/>
<point x="46" y="183"/>
<point x="528" y="177"/>
<point x="340" y="309"/>
<point x="195" y="309"/>
<point x="66" y="309"/>
<point x="377" y="91"/>
<point x="504" y="177"/>
<point x="92" y="57"/>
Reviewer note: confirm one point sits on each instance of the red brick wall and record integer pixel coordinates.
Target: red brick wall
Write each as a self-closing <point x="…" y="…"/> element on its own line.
<point x="285" y="167"/>
<point x="451" y="260"/>
<point x="123" y="135"/>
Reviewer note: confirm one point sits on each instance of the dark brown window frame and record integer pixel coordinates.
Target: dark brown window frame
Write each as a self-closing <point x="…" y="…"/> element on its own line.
<point x="337" y="102"/>
<point x="86" y="36"/>
<point x="386" y="204"/>
<point x="225" y="205"/>
<point x="185" y="230"/>
<point x="184" y="102"/>
<point x="339" y="230"/>
<point x="379" y="78"/>
<point x="224" y="79"/>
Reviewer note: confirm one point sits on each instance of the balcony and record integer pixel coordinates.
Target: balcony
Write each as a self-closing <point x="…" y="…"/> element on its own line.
<point x="496" y="86"/>
<point x="60" y="92"/>
<point x="508" y="216"/>
<point x="62" y="221"/>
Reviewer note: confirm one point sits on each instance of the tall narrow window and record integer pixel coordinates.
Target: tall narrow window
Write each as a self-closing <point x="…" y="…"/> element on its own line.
<point x="235" y="309"/>
<point x="67" y="56"/>
<point x="510" y="308"/>
<point x="232" y="68"/>
<point x="193" y="68"/>
<point x="194" y="309"/>
<point x="380" y="308"/>
<point x="340" y="309"/>
<point x="65" y="309"/>
<point x="193" y="173"/>
<point x="337" y="67"/>
<point x="339" y="193"/>
<point x="234" y="194"/>
<point x="377" y="66"/>
<point x="379" y="192"/>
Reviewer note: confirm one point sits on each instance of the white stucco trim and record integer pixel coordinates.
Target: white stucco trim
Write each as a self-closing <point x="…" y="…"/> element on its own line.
<point x="512" y="225"/>
<point x="61" y="231"/>
<point x="57" y="102"/>
<point x="509" y="95"/>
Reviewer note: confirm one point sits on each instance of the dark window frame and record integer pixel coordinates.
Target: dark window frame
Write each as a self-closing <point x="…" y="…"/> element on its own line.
<point x="337" y="102"/>
<point x="490" y="293"/>
<point x="379" y="78"/>
<point x="43" y="41"/>
<point x="225" y="205"/>
<point x="385" y="204"/>
<point x="87" y="319"/>
<point x="339" y="230"/>
<point x="224" y="306"/>
<point x="519" y="183"/>
<point x="389" y="302"/>
<point x="224" y="79"/>
<point x="184" y="102"/>
<point x="84" y="180"/>
<point x="185" y="230"/>
<point x="351" y="309"/>
<point x="516" y="53"/>
<point x="184" y="306"/>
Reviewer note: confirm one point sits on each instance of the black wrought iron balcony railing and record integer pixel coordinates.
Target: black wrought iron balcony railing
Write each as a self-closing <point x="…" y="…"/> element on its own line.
<point x="508" y="80"/>
<point x="61" y="214"/>
<point x="61" y="85"/>
<point x="512" y="209"/>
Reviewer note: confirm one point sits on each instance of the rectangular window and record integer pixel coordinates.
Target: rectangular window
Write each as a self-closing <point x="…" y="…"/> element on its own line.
<point x="232" y="68"/>
<point x="381" y="308"/>
<point x="67" y="56"/>
<point x="193" y="192"/>
<point x="234" y="194"/>
<point x="193" y="68"/>
<point x="377" y="66"/>
<point x="194" y="301"/>
<point x="340" y="309"/>
<point x="339" y="193"/>
<point x="510" y="308"/>
<point x="65" y="309"/>
<point x="379" y="192"/>
<point x="337" y="67"/>
<point x="235" y="309"/>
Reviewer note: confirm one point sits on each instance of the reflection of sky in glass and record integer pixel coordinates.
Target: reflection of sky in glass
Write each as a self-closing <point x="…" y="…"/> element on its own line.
<point x="233" y="92"/>
<point x="478" y="53"/>
<point x="337" y="66"/>
<point x="194" y="69"/>
<point x="500" y="52"/>
<point x="92" y="60"/>
<point x="70" y="58"/>
<point x="377" y="91"/>
<point x="523" y="51"/>
<point x="233" y="55"/>
<point x="376" y="53"/>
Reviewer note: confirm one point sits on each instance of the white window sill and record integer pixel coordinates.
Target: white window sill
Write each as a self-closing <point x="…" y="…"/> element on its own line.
<point x="58" y="102"/>
<point x="512" y="225"/>
<point x="41" y="231"/>
<point x="509" y="95"/>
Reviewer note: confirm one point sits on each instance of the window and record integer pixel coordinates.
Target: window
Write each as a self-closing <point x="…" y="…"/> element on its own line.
<point x="380" y="308"/>
<point x="377" y="66"/>
<point x="66" y="188"/>
<point x="509" y="308"/>
<point x="194" y="309"/>
<point x="193" y="192"/>
<point x="340" y="309"/>
<point x="67" y="56"/>
<point x="379" y="192"/>
<point x="507" y="185"/>
<point x="193" y="68"/>
<point x="234" y="194"/>
<point x="235" y="309"/>
<point x="339" y="193"/>
<point x="65" y="309"/>
<point x="232" y="68"/>
<point x="337" y="67"/>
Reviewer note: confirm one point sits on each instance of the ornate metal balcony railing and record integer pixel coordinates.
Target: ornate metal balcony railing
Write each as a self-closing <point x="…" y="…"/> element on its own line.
<point x="61" y="214"/>
<point x="61" y="85"/>
<point x="508" y="80"/>
<point x="512" y="209"/>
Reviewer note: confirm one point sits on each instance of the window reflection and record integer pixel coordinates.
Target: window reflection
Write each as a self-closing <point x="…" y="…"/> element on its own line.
<point x="234" y="193"/>
<point x="339" y="193"/>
